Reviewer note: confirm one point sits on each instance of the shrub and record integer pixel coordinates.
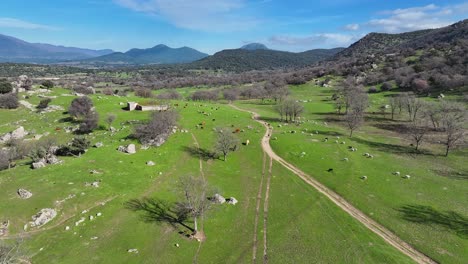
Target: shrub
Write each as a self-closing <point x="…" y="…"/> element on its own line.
<point x="4" y="160"/>
<point x="171" y="95"/>
<point x="83" y="89"/>
<point x="9" y="101"/>
<point x="80" y="107"/>
<point x="5" y="87"/>
<point x="386" y="86"/>
<point x="44" y="103"/>
<point x="48" y="84"/>
<point x="89" y="123"/>
<point x="144" y="92"/>
<point x="107" y="91"/>
<point x="373" y="90"/>
<point x="78" y="146"/>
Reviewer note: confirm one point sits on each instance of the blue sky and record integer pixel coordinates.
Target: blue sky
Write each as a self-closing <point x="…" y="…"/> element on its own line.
<point x="213" y="25"/>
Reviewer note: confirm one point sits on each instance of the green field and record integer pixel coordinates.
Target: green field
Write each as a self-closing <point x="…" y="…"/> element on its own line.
<point x="428" y="211"/>
<point x="302" y="225"/>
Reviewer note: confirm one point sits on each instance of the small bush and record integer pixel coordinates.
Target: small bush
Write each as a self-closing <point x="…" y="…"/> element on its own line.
<point x="107" y="91"/>
<point x="144" y="92"/>
<point x="386" y="86"/>
<point x="83" y="89"/>
<point x="78" y="146"/>
<point x="48" y="84"/>
<point x="171" y="95"/>
<point x="44" y="103"/>
<point x="4" y="160"/>
<point x="9" y="101"/>
<point x="5" y="87"/>
<point x="80" y="107"/>
<point x="89" y="123"/>
<point x="373" y="90"/>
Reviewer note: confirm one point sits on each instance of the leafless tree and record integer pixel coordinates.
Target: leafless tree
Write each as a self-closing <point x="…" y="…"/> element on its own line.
<point x="160" y="124"/>
<point x="412" y="104"/>
<point x="453" y="120"/>
<point x="354" y="119"/>
<point x="226" y="142"/>
<point x="417" y="131"/>
<point x="195" y="201"/>
<point x="90" y="122"/>
<point x="289" y="109"/>
<point x="393" y="103"/>
<point x="432" y="111"/>
<point x="110" y="119"/>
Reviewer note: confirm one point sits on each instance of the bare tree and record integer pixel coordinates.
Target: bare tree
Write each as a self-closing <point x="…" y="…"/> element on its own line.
<point x="413" y="105"/>
<point x="159" y="126"/>
<point x="417" y="131"/>
<point x="453" y="121"/>
<point x="110" y="119"/>
<point x="226" y="142"/>
<point x="432" y="111"/>
<point x="354" y="119"/>
<point x="290" y="109"/>
<point x="393" y="103"/>
<point x="89" y="123"/>
<point x="195" y="203"/>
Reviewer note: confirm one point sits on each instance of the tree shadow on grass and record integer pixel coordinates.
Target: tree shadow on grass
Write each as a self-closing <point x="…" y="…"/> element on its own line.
<point x="159" y="211"/>
<point x="452" y="174"/>
<point x="391" y="148"/>
<point x="427" y="215"/>
<point x="202" y="153"/>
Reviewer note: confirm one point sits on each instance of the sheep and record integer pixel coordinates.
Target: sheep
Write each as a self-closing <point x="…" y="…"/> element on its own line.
<point x="370" y="156"/>
<point x="346" y="159"/>
<point x="247" y="142"/>
<point x="366" y="154"/>
<point x="337" y="137"/>
<point x="364" y="177"/>
<point x="343" y="142"/>
<point x="397" y="173"/>
<point x="336" y="141"/>
<point x="353" y="149"/>
<point x="406" y="176"/>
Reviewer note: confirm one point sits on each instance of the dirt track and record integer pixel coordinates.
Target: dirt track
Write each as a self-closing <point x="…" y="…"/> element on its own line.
<point x="375" y="227"/>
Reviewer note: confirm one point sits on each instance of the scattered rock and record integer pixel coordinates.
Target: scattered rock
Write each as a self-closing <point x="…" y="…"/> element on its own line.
<point x="219" y="199"/>
<point x="231" y="200"/>
<point x="18" y="133"/>
<point x="133" y="250"/>
<point x="130" y="149"/>
<point x="43" y="217"/>
<point x="38" y="165"/>
<point x="24" y="194"/>
<point x="98" y="145"/>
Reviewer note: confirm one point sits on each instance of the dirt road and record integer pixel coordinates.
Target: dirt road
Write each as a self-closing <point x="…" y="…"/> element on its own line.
<point x="375" y="227"/>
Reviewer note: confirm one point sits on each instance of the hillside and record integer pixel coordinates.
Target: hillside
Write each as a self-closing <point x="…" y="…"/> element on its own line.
<point x="245" y="60"/>
<point x="160" y="54"/>
<point x="254" y="46"/>
<point x="17" y="50"/>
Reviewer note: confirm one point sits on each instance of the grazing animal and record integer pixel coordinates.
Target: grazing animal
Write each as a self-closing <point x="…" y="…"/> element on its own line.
<point x="397" y="173"/>
<point x="364" y="177"/>
<point x="247" y="142"/>
<point x="343" y="142"/>
<point x="330" y="170"/>
<point x="336" y="141"/>
<point x="346" y="159"/>
<point x="406" y="176"/>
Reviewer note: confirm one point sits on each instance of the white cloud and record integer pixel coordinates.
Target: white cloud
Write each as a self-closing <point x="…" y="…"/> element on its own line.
<point x="414" y="18"/>
<point x="6" y="22"/>
<point x="207" y="15"/>
<point x="324" y="40"/>
<point x="352" y="27"/>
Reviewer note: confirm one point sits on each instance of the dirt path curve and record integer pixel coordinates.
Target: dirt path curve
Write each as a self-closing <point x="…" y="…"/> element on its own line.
<point x="63" y="220"/>
<point x="375" y="227"/>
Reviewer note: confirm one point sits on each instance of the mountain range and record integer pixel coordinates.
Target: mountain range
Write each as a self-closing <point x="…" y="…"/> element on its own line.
<point x="17" y="50"/>
<point x="160" y="54"/>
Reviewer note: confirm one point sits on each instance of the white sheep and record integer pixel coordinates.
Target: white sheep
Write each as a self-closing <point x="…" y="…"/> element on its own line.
<point x="397" y="173"/>
<point x="370" y="156"/>
<point x="346" y="159"/>
<point x="343" y="142"/>
<point x="364" y="177"/>
<point x="406" y="176"/>
<point x="336" y="141"/>
<point x="366" y="154"/>
<point x="247" y="142"/>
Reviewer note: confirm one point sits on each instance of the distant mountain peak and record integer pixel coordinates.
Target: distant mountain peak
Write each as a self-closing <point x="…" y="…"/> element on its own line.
<point x="255" y="46"/>
<point x="161" y="46"/>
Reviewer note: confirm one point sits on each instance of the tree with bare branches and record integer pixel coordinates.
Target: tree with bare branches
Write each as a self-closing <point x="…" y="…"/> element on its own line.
<point x="453" y="121"/>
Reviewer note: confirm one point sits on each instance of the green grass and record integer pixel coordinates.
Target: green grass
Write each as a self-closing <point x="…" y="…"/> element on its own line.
<point x="435" y="195"/>
<point x="303" y="226"/>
